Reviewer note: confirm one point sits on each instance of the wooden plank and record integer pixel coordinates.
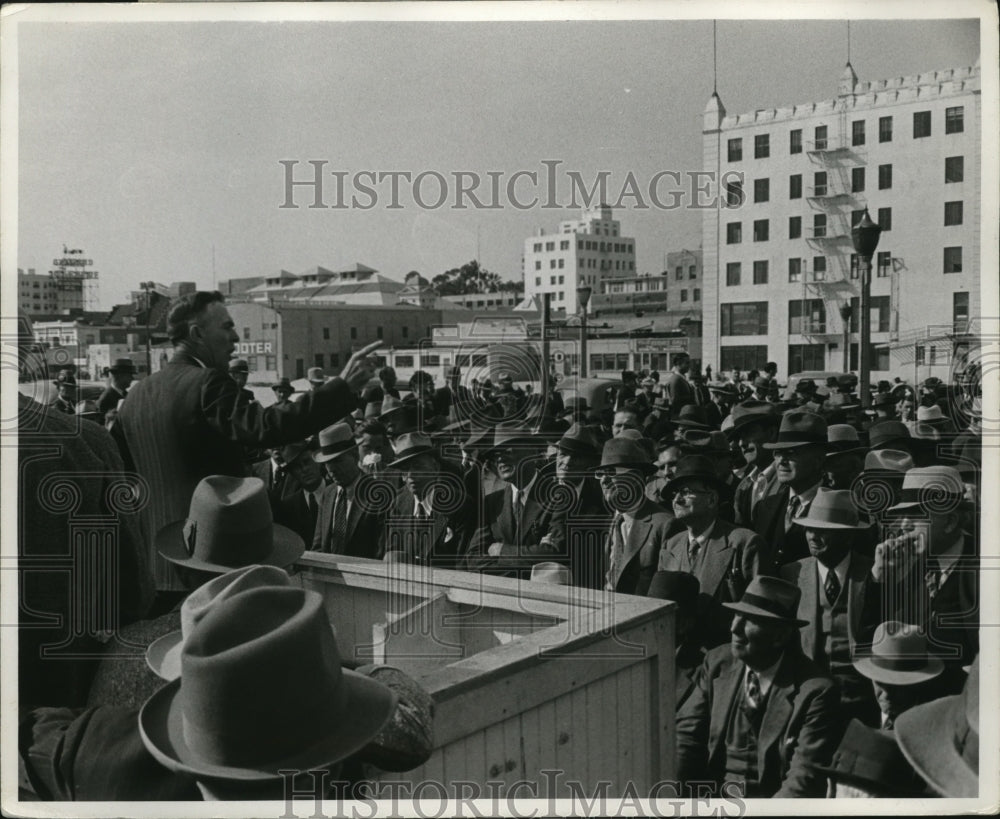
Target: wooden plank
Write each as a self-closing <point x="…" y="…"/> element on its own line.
<point x="546" y="743"/>
<point x="417" y="641"/>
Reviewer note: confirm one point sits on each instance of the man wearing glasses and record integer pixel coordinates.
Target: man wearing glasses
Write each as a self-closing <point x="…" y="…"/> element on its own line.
<point x="640" y="528"/>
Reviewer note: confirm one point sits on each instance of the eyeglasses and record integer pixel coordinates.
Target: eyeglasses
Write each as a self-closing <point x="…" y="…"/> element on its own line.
<point x="687" y="492"/>
<point x="605" y="476"/>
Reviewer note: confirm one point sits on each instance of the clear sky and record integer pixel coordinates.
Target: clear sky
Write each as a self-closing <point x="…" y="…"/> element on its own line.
<point x="147" y="144"/>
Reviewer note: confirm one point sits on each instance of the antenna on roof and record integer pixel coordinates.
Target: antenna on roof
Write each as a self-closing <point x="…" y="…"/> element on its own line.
<point x="848" y="41"/>
<point x="214" y="282"/>
<point x="715" y="63"/>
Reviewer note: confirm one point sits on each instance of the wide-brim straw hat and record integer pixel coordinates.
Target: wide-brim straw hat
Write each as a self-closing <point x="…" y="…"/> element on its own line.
<point x="899" y="656"/>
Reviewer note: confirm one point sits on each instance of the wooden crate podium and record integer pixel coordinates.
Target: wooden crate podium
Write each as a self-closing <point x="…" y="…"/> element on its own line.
<point x="525" y="676"/>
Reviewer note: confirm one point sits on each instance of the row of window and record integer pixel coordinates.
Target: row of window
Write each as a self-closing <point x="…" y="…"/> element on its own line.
<point x="954" y="123"/>
<point x="679" y="272"/>
<point x="586" y="244"/>
<point x="951" y="263"/>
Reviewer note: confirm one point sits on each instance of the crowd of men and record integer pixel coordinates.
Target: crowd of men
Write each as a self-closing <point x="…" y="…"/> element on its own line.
<point x="824" y="559"/>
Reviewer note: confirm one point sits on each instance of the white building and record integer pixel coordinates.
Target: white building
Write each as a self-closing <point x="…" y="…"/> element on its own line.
<point x="586" y="251"/>
<point x="778" y="257"/>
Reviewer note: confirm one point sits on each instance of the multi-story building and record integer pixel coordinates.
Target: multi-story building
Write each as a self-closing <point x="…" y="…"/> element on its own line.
<point x="69" y="286"/>
<point x="779" y="261"/>
<point x="584" y="252"/>
<point x="672" y="296"/>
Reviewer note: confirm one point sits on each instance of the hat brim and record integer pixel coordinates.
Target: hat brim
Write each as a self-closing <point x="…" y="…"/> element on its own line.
<point x="857" y="450"/>
<point x="368" y="706"/>
<point x="320" y="458"/>
<point x="416" y="453"/>
<point x="719" y="486"/>
<point x="922" y="733"/>
<point x="163" y="655"/>
<point x="287" y="547"/>
<point x="681" y="422"/>
<point x="534" y="440"/>
<point x="867" y="667"/>
<point x="813" y="523"/>
<point x="764" y="614"/>
<point x="648" y="468"/>
<point x="794" y="444"/>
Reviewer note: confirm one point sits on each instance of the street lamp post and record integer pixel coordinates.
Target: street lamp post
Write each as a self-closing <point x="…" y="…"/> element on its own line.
<point x="865" y="235"/>
<point x="148" y="287"/>
<point x="583" y="297"/>
<point x="845" y="314"/>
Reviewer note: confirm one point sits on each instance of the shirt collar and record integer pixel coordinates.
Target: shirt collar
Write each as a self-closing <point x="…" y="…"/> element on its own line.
<point x="840" y="570"/>
<point x="701" y="536"/>
<point x="804" y="497"/>
<point x="947" y="559"/>
<point x="766" y="676"/>
<point x="198" y="361"/>
<point x="426" y="502"/>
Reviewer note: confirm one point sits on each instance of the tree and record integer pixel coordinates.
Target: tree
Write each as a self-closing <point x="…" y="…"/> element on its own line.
<point x="471" y="278"/>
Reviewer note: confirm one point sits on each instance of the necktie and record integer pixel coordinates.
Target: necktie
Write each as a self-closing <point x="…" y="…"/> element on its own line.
<point x="310" y="515"/>
<point x="932" y="577"/>
<point x="518" y="510"/>
<point x="339" y="528"/>
<point x="421" y="511"/>
<point x="794" y="504"/>
<point x="753" y="690"/>
<point x="617" y="542"/>
<point x="831" y="587"/>
<point x="693" y="548"/>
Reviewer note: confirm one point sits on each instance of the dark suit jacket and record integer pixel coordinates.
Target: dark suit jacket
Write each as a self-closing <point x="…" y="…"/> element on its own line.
<point x="444" y="538"/>
<point x="186" y="422"/>
<point x="578" y="531"/>
<point x="650" y="531"/>
<point x="799" y="728"/>
<point x="769" y="522"/>
<point x="731" y="560"/>
<point x="365" y="520"/>
<point x="293" y="512"/>
<point x="109" y="399"/>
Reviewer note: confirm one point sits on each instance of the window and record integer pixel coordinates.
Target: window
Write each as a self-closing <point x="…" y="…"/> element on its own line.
<point x="884" y="264"/>
<point x="379" y="333"/>
<point x="552" y="264"/>
<point x="879" y="311"/>
<point x="885" y="219"/>
<point x="538" y="265"/>
<point x="794" y="270"/>
<point x="819" y="183"/>
<point x="692" y="272"/>
<point x="802" y="357"/>
<point x="735" y="150"/>
<point x="953" y="260"/>
<point x="733" y="272"/>
<point x="562" y="263"/>
<point x="760" y="272"/>
<point x="564" y="245"/>
<point x="354" y="333"/>
<point x="744" y="318"/>
<point x="954" y="120"/>
<point x="856" y="216"/>
<point x="795" y="186"/>
<point x="858" y="132"/>
<point x="806" y="316"/>
<point x="819" y="225"/>
<point x="538" y="281"/>
<point x="954" y="169"/>
<point x="697" y="294"/>
<point x="562" y="280"/>
<point x="319" y="360"/>
<point x="857" y="180"/>
<point x="326" y="334"/>
<point x="819" y="268"/>
<point x="795" y="141"/>
<point x="679" y="273"/>
<point x="884" y="177"/>
<point x="794" y="227"/>
<point x="271" y="362"/>
<point x="404" y="361"/>
<point x="761" y="146"/>
<point x="878" y="355"/>
<point x="952" y="213"/>
<point x="406" y="331"/>
<point x="960" y="312"/>
<point x="538" y="247"/>
<point x="684" y="295"/>
<point x="743" y="357"/>
<point x="734" y="194"/>
<point x="550" y="245"/>
<point x="734" y="233"/>
<point x="885" y="129"/>
<point x="761" y="190"/>
<point x="760" y="230"/>
<point x="921" y="124"/>
<point x="819" y="138"/>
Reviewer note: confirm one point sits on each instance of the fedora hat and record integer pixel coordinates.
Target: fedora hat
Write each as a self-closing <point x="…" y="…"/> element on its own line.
<point x="372" y="411"/>
<point x="709" y="442"/>
<point x="941" y="740"/>
<point x="507" y="433"/>
<point x="163" y="655"/>
<point x="722" y="388"/>
<point x="239" y="365"/>
<point x="483" y="422"/>
<point x="695" y="467"/>
<point x="681" y="587"/>
<point x="770" y="598"/>
<point x="754" y="412"/>
<point x="832" y="509"/>
<point x="899" y="656"/>
<point x="692" y="416"/>
<point x="283" y="385"/>
<point x="550" y="572"/>
<point x="576" y="403"/>
<point x="315" y="375"/>
<point x="800" y="428"/>
<point x="628" y="453"/>
<point x="935" y="488"/>
<point x="579" y="439"/>
<point x="871" y="760"/>
<point x="334" y="441"/>
<point x="883" y="399"/>
<point x="263" y="691"/>
<point x="889" y="460"/>
<point x="932" y="414"/>
<point x="291" y="452"/>
<point x="805" y="385"/>
<point x="410" y="445"/>
<point x="392" y="405"/>
<point x="122" y="365"/>
<point x="884" y="433"/>
<point x="229" y="524"/>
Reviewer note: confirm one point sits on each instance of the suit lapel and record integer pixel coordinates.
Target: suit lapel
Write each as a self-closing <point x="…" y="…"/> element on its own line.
<point x="777" y="713"/>
<point x="507" y="523"/>
<point x="725" y="689"/>
<point x="719" y="552"/>
<point x="637" y="537"/>
<point x="809" y="605"/>
<point x="856" y="590"/>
